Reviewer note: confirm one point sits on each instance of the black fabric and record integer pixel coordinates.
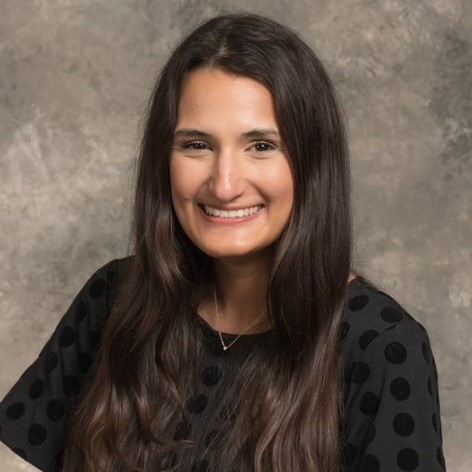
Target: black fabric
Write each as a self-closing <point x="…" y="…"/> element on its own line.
<point x="391" y="403"/>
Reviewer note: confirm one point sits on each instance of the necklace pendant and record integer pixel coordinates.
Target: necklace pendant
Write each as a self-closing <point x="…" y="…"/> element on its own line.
<point x="225" y="348"/>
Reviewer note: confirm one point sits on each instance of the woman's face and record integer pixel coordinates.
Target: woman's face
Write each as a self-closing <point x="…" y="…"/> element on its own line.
<point x="227" y="155"/>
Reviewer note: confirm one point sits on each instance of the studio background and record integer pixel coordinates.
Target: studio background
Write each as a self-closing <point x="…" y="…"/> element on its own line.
<point x="75" y="76"/>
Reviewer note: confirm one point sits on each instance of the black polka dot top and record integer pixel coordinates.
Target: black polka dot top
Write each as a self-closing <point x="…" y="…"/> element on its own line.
<point x="391" y="403"/>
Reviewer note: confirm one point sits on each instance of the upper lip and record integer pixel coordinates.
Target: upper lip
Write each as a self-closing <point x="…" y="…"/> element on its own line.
<point x="231" y="208"/>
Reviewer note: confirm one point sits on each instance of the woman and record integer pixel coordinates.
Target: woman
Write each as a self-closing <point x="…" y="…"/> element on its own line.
<point x="237" y="337"/>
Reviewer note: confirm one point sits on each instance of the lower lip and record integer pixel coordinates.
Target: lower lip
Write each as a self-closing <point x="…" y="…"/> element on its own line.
<point x="230" y="221"/>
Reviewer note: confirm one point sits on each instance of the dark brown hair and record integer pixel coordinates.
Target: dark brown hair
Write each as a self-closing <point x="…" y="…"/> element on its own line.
<point x="285" y="399"/>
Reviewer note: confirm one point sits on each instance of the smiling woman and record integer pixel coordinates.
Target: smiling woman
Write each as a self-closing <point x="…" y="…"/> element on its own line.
<point x="237" y="337"/>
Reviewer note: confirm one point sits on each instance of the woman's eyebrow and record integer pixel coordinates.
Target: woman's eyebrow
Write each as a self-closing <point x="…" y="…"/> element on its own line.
<point x="261" y="132"/>
<point x="187" y="133"/>
<point x="254" y="133"/>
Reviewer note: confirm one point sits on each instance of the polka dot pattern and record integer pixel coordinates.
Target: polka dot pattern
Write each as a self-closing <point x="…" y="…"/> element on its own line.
<point x="369" y="403"/>
<point x="367" y="337"/>
<point x="400" y="388"/>
<point x="407" y="459"/>
<point x="404" y="424"/>
<point x="36" y="389"/>
<point x="440" y="458"/>
<point x="395" y="352"/>
<point x="211" y="375"/>
<point x="197" y="403"/>
<point x="390" y="314"/>
<point x="434" y="422"/>
<point x="343" y="330"/>
<point x="435" y="371"/>
<point x="370" y="463"/>
<point x="426" y="352"/>
<point x="67" y="336"/>
<point x="33" y="414"/>
<point x="358" y="302"/>
<point x="15" y="411"/>
<point x="391" y="402"/>
<point x="391" y="380"/>
<point x="37" y="434"/>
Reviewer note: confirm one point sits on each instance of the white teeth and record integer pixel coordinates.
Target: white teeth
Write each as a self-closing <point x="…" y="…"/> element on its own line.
<point x="233" y="213"/>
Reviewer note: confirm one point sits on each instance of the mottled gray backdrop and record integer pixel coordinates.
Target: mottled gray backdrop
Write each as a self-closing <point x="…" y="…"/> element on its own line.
<point x="75" y="75"/>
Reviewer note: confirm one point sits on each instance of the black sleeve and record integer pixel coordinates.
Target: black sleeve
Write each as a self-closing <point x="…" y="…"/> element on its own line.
<point x="34" y="412"/>
<point x="392" y="410"/>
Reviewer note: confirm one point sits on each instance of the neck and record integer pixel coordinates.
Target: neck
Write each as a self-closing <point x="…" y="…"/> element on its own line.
<point x="241" y="287"/>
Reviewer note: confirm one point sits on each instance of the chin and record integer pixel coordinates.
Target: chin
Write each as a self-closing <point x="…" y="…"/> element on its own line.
<point x="220" y="254"/>
<point x="229" y="253"/>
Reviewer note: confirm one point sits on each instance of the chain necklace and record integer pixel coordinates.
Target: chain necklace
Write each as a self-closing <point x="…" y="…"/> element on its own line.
<point x="226" y="347"/>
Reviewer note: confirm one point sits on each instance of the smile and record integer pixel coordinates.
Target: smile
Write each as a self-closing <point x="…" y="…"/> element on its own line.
<point x="241" y="213"/>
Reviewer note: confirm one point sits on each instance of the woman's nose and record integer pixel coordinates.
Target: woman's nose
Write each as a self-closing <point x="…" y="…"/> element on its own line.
<point x="227" y="176"/>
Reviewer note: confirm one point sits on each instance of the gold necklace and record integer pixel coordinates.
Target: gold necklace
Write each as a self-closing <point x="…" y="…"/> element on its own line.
<point x="226" y="347"/>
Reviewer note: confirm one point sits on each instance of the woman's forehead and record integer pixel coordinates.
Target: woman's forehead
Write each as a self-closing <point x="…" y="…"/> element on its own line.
<point x="214" y="98"/>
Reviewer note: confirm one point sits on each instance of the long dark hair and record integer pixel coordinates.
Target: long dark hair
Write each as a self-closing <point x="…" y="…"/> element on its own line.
<point x="285" y="398"/>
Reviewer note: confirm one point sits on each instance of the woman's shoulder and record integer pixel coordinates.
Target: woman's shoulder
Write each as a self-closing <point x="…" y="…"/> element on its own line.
<point x="106" y="278"/>
<point x="371" y="313"/>
<point x="34" y="412"/>
<point x="390" y="385"/>
<point x="111" y="271"/>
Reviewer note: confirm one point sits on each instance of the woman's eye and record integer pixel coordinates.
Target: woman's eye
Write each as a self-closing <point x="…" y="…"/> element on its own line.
<point x="194" y="146"/>
<point x="264" y="146"/>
